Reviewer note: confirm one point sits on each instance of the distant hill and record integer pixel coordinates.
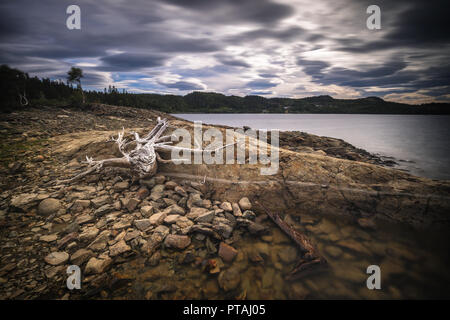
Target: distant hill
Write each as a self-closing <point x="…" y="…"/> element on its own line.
<point x="16" y="85"/>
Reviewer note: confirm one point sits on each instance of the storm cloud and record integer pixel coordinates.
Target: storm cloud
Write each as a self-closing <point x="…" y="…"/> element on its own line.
<point x="286" y="48"/>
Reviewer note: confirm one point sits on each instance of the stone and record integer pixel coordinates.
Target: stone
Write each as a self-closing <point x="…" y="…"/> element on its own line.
<point x="131" y="235"/>
<point x="100" y="242"/>
<point x="236" y="210"/>
<point x="146" y="211"/>
<point x="229" y="279"/>
<point x="23" y="201"/>
<point x="171" y="218"/>
<point x="157" y="192"/>
<point x="80" y="205"/>
<point x="195" y="212"/>
<point x="142" y="193"/>
<point x="184" y="222"/>
<point x="49" y="238"/>
<point x="170" y="185"/>
<point x="88" y="234"/>
<point x="175" y="209"/>
<point x="56" y="258"/>
<point x="223" y="229"/>
<point x="180" y="191"/>
<point x="226" y="206"/>
<point x="85" y="218"/>
<point x="119" y="248"/>
<point x="256" y="228"/>
<point x="206" y="217"/>
<point x="177" y="241"/>
<point x="333" y="251"/>
<point x="49" y="206"/>
<point x="96" y="266"/>
<point x="142" y="224"/>
<point x="367" y="223"/>
<point x="100" y="201"/>
<point x="120" y="186"/>
<point x="132" y="204"/>
<point x="107" y="208"/>
<point x="227" y="252"/>
<point x="157" y="218"/>
<point x="80" y="256"/>
<point x="249" y="215"/>
<point x="245" y="204"/>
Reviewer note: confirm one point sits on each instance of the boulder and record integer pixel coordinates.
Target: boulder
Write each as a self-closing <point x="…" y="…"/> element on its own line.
<point x="49" y="206"/>
<point x="245" y="204"/>
<point x="227" y="252"/>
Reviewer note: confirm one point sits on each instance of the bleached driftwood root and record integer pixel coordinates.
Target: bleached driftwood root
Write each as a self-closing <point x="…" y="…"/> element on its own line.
<point x="143" y="159"/>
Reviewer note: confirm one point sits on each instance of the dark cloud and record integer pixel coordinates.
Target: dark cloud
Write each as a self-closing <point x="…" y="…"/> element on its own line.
<point x="261" y="84"/>
<point x="231" y="61"/>
<point x="131" y="61"/>
<point x="183" y="85"/>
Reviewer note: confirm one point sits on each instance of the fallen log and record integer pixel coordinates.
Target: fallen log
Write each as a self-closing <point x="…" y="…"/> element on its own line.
<point x="310" y="255"/>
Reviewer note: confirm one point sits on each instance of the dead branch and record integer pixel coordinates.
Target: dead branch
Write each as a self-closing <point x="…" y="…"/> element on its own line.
<point x="310" y="255"/>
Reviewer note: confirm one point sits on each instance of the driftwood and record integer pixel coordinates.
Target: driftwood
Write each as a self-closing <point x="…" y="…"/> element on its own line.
<point x="310" y="255"/>
<point x="143" y="159"/>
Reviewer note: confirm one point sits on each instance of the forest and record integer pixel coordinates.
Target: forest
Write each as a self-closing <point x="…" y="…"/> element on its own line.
<point x="19" y="90"/>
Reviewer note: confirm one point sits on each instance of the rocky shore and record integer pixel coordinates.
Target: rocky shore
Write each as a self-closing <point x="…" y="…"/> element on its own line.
<point x="186" y="215"/>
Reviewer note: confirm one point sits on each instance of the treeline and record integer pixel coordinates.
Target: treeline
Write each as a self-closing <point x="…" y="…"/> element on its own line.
<point x="18" y="90"/>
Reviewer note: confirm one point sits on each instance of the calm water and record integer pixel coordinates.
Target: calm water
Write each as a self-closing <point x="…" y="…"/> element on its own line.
<point x="419" y="143"/>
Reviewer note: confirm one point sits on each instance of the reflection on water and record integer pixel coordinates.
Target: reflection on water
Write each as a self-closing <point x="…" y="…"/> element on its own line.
<point x="413" y="265"/>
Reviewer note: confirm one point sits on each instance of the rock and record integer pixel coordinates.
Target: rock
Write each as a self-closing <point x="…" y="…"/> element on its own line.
<point x="157" y="218"/>
<point x="256" y="228"/>
<point x="132" y="204"/>
<point x="80" y="256"/>
<point x="177" y="241"/>
<point x="170" y="185"/>
<point x="160" y="233"/>
<point x="142" y="193"/>
<point x="121" y="224"/>
<point x="85" y="218"/>
<point x="175" y="209"/>
<point x="171" y="218"/>
<point x="49" y="206"/>
<point x="142" y="224"/>
<point x="206" y="217"/>
<point x="333" y="251"/>
<point x="100" y="242"/>
<point x="249" y="215"/>
<point x="154" y="259"/>
<point x="226" y="206"/>
<point x="367" y="223"/>
<point x="223" y="229"/>
<point x="184" y="222"/>
<point x="49" y="238"/>
<point x="120" y="186"/>
<point x="160" y="179"/>
<point x="157" y="192"/>
<point x="23" y="201"/>
<point x="229" y="279"/>
<point x="88" y="234"/>
<point x="100" y="201"/>
<point x="287" y="254"/>
<point x="96" y="266"/>
<point x="107" y="208"/>
<point x="56" y="258"/>
<point x="195" y="212"/>
<point x="146" y="211"/>
<point x="236" y="210"/>
<point x="180" y="191"/>
<point x="119" y="248"/>
<point x="245" y="204"/>
<point x="80" y="205"/>
<point x="131" y="235"/>
<point x="227" y="252"/>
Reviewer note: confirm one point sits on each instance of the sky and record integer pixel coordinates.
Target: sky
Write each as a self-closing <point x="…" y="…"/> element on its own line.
<point x="272" y="48"/>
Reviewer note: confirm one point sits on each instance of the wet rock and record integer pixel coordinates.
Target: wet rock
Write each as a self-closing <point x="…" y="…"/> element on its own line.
<point x="154" y="259"/>
<point x="80" y="256"/>
<point x="288" y="254"/>
<point x="333" y="251"/>
<point x="367" y="223"/>
<point x="227" y="252"/>
<point x="353" y="245"/>
<point x="226" y="206"/>
<point x="96" y="266"/>
<point x="245" y="204"/>
<point x="159" y="235"/>
<point x="229" y="279"/>
<point x="177" y="241"/>
<point x="56" y="258"/>
<point x="49" y="206"/>
<point x="249" y="215"/>
<point x="256" y="228"/>
<point x="223" y="229"/>
<point x="119" y="248"/>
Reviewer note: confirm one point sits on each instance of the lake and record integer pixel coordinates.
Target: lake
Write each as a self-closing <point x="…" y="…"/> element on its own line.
<point x="418" y="143"/>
